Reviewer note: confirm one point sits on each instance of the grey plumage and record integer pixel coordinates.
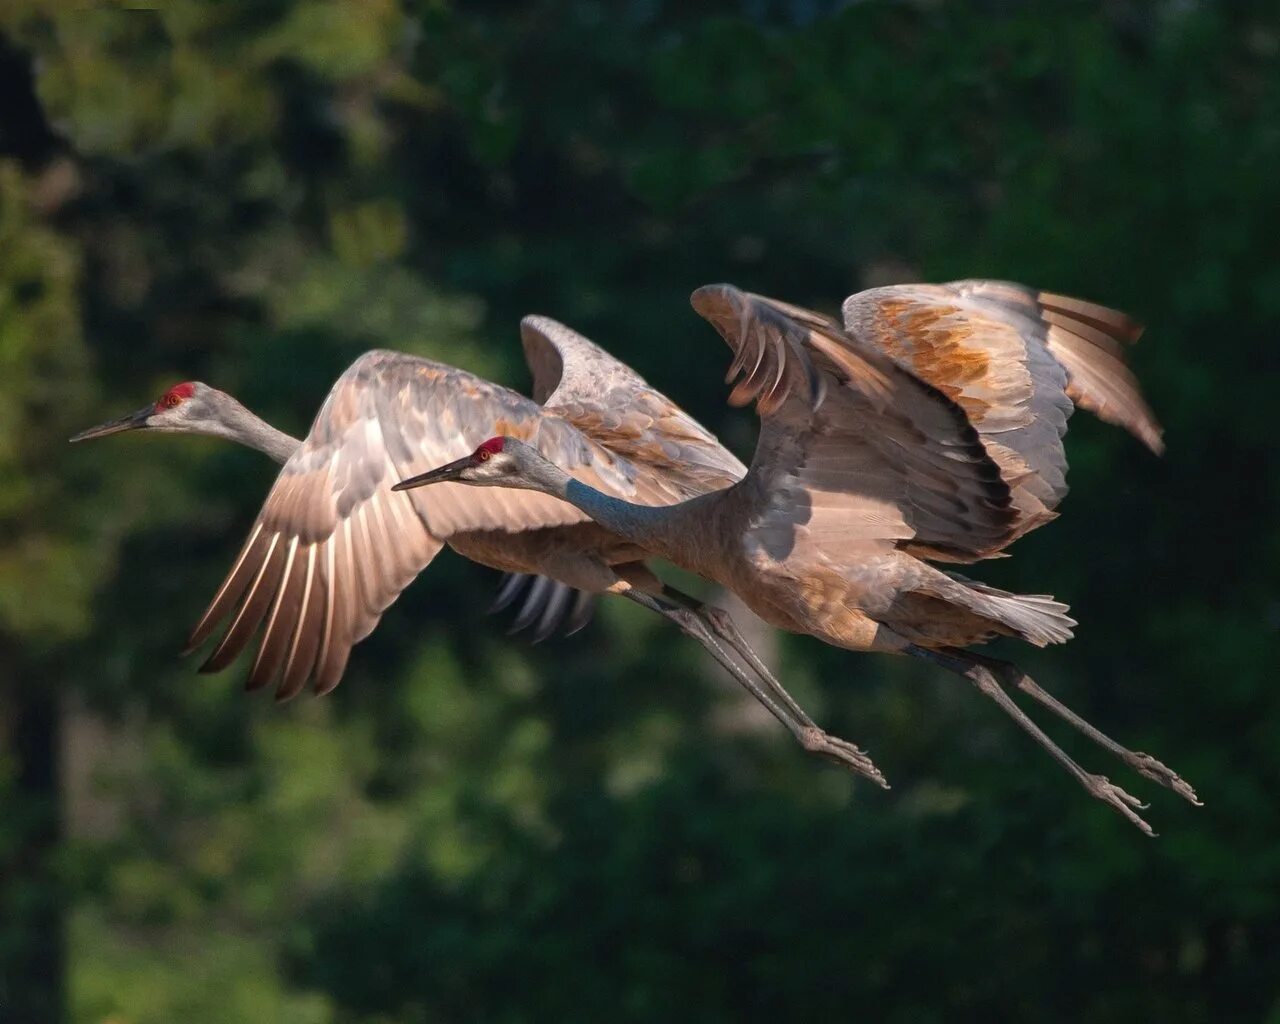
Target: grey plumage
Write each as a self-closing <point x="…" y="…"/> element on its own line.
<point x="196" y="408"/>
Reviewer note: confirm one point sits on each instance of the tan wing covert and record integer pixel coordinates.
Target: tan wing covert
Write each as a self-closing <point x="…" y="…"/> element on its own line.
<point x="612" y="404"/>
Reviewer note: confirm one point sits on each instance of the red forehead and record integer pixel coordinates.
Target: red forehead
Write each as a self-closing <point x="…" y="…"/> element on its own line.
<point x="492" y="446"/>
<point x="184" y="390"/>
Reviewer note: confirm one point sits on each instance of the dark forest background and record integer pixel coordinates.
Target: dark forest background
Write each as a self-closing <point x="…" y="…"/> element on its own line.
<point x="252" y="192"/>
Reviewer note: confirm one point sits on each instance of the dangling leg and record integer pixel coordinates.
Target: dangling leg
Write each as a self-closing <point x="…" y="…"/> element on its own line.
<point x="722" y="625"/>
<point x="963" y="663"/>
<point x="1143" y="764"/>
<point x="812" y="738"/>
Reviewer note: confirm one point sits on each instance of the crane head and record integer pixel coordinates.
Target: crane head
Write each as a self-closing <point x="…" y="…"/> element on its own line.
<point x="175" y="410"/>
<point x="496" y="463"/>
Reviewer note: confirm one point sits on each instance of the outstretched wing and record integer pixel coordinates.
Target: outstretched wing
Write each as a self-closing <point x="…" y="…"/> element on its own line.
<point x="334" y="545"/>
<point x="612" y="404"/>
<point x="855" y="453"/>
<point x="1014" y="360"/>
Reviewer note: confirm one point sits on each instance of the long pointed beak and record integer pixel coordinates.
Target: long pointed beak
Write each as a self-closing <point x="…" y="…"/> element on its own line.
<point x="133" y="421"/>
<point x="434" y="476"/>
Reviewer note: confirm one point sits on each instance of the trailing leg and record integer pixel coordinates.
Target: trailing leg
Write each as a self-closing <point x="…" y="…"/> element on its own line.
<point x="809" y="735"/>
<point x="722" y="625"/>
<point x="1098" y="786"/>
<point x="1143" y="764"/>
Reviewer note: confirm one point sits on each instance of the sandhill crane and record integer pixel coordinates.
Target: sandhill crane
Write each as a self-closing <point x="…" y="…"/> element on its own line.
<point x="334" y="546"/>
<point x="927" y="429"/>
<point x="194" y="407"/>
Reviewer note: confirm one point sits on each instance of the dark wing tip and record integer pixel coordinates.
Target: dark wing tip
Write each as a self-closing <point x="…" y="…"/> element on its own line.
<point x="513" y="584"/>
<point x="1110" y="321"/>
<point x="584" y="606"/>
<point x="546" y="602"/>
<point x="1150" y="433"/>
<point x="553" y="613"/>
<point x="539" y="593"/>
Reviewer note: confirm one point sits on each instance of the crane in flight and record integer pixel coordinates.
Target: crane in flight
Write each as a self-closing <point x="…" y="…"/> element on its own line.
<point x="334" y="545"/>
<point x="928" y="428"/>
<point x="195" y="408"/>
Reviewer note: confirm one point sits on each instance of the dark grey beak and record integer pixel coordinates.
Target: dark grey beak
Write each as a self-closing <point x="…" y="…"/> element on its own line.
<point x="434" y="476"/>
<point x="133" y="421"/>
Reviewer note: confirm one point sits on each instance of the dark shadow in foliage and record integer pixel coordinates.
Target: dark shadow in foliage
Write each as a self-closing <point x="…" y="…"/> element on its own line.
<point x="699" y="900"/>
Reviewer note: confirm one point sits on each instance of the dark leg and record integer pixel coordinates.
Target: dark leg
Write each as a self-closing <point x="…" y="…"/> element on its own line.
<point x="1143" y="764"/>
<point x="812" y="738"/>
<point x="722" y="625"/>
<point x="962" y="663"/>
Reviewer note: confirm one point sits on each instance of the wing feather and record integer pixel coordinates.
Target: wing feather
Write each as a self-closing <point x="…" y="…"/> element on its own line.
<point x="855" y="452"/>
<point x="247" y="567"/>
<point x="1088" y="341"/>
<point x="250" y="613"/>
<point x="307" y="632"/>
<point x="1014" y="360"/>
<point x="276" y="633"/>
<point x="674" y="457"/>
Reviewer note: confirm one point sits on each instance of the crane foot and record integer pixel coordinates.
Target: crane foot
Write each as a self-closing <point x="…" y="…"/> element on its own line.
<point x="1108" y="792"/>
<point x="1148" y="766"/>
<point x="841" y="752"/>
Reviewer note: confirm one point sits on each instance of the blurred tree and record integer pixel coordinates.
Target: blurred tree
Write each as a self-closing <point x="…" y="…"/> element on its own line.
<point x="254" y="193"/>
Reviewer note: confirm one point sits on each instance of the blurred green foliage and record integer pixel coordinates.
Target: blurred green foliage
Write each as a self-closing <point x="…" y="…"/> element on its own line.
<point x="253" y="193"/>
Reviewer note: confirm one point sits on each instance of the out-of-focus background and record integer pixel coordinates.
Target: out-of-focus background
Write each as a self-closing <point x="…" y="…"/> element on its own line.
<point x="252" y="192"/>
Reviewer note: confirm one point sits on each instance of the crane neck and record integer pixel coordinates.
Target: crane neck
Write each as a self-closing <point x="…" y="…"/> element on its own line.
<point x="650" y="527"/>
<point x="236" y="423"/>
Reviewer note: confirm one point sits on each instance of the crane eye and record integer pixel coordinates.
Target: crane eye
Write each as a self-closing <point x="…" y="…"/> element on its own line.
<point x="171" y="400"/>
<point x="483" y="455"/>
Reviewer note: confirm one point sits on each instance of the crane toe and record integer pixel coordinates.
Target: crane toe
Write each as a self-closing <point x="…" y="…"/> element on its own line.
<point x="1156" y="771"/>
<point x="843" y="753"/>
<point x="1108" y="792"/>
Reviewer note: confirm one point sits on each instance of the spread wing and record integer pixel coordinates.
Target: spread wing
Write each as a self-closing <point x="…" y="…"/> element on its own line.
<point x="611" y="403"/>
<point x="334" y="545"/>
<point x="1014" y="360"/>
<point x="856" y="453"/>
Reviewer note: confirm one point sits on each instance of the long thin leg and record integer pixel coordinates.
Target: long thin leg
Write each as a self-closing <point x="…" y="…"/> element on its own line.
<point x="962" y="663"/>
<point x="1143" y="764"/>
<point x="812" y="738"/>
<point x="722" y="625"/>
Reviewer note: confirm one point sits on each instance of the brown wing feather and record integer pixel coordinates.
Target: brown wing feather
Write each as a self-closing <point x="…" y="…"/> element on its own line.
<point x="1014" y="359"/>
<point x="855" y="452"/>
<point x="1088" y="340"/>
<point x="986" y="360"/>
<point x="673" y="454"/>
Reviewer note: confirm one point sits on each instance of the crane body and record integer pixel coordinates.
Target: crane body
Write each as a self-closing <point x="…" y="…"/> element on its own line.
<point x="196" y="408"/>
<point x="926" y="429"/>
